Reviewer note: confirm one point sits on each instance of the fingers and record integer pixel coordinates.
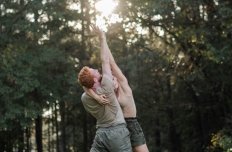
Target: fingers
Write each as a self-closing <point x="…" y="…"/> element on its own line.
<point x="105" y="101"/>
<point x="95" y="28"/>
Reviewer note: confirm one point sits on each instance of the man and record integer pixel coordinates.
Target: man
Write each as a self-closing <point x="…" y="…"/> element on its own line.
<point x="112" y="134"/>
<point x="126" y="100"/>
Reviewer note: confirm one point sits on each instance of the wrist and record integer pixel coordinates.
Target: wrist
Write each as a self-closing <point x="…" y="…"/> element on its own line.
<point x="102" y="38"/>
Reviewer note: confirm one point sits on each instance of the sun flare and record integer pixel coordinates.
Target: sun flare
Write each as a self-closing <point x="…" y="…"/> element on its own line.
<point x="105" y="6"/>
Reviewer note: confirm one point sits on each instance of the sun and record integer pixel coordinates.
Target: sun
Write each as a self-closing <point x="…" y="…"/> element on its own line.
<point x="105" y="6"/>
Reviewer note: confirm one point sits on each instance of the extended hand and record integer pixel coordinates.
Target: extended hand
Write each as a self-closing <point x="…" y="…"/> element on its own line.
<point x="98" y="31"/>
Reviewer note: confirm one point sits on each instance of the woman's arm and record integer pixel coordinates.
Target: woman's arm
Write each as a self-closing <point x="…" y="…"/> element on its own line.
<point x="100" y="98"/>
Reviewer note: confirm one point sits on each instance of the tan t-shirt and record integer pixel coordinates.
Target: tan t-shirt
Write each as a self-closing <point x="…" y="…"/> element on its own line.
<point x="108" y="115"/>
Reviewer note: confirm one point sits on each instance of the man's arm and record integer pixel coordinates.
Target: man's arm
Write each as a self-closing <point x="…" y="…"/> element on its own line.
<point x="118" y="73"/>
<point x="105" y="58"/>
<point x="116" y="70"/>
<point x="108" y="62"/>
<point x="100" y="98"/>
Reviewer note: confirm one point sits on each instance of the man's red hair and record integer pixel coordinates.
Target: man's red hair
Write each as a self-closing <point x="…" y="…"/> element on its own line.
<point x="86" y="78"/>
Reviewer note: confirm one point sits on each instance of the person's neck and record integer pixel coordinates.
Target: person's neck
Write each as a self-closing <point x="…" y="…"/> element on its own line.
<point x="95" y="85"/>
<point x="94" y="89"/>
<point x="116" y="92"/>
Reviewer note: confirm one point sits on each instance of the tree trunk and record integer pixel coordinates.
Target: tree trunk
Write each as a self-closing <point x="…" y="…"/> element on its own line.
<point x="28" y="139"/>
<point x="8" y="142"/>
<point x="21" y="141"/>
<point x="85" y="133"/>
<point x="53" y="127"/>
<point x="173" y="136"/>
<point x="38" y="131"/>
<point x="49" y="134"/>
<point x="157" y="135"/>
<point x="63" y="122"/>
<point x="57" y="129"/>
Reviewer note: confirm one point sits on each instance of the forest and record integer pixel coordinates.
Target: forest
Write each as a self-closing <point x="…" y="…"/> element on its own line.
<point x="176" y="55"/>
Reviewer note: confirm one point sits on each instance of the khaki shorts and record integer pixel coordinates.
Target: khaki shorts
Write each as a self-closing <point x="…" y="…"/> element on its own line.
<point x="112" y="139"/>
<point x="137" y="137"/>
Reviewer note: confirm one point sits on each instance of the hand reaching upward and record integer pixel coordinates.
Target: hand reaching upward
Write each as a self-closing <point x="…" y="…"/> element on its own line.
<point x="98" y="31"/>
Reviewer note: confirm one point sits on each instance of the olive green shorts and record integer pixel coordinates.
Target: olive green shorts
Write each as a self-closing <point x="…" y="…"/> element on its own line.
<point x="137" y="137"/>
<point x="112" y="139"/>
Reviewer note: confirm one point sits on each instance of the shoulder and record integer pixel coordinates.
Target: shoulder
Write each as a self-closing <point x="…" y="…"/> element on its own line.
<point x="85" y="98"/>
<point x="88" y="101"/>
<point x="106" y="86"/>
<point x="106" y="81"/>
<point x="125" y="88"/>
<point x="106" y="78"/>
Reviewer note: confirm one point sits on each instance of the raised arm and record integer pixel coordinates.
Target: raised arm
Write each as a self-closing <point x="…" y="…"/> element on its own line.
<point x="105" y="58"/>
<point x="108" y="62"/>
<point x="118" y="74"/>
<point x="114" y="67"/>
<point x="100" y="98"/>
<point x="116" y="70"/>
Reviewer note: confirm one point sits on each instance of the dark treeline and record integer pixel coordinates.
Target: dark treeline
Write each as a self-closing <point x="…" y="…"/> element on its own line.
<point x="176" y="55"/>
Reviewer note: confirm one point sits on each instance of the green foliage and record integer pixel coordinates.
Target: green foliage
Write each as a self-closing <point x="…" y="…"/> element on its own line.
<point x="196" y="89"/>
<point x="179" y="70"/>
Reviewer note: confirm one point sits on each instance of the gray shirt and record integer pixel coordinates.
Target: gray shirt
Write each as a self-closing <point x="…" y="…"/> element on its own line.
<point x="108" y="115"/>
